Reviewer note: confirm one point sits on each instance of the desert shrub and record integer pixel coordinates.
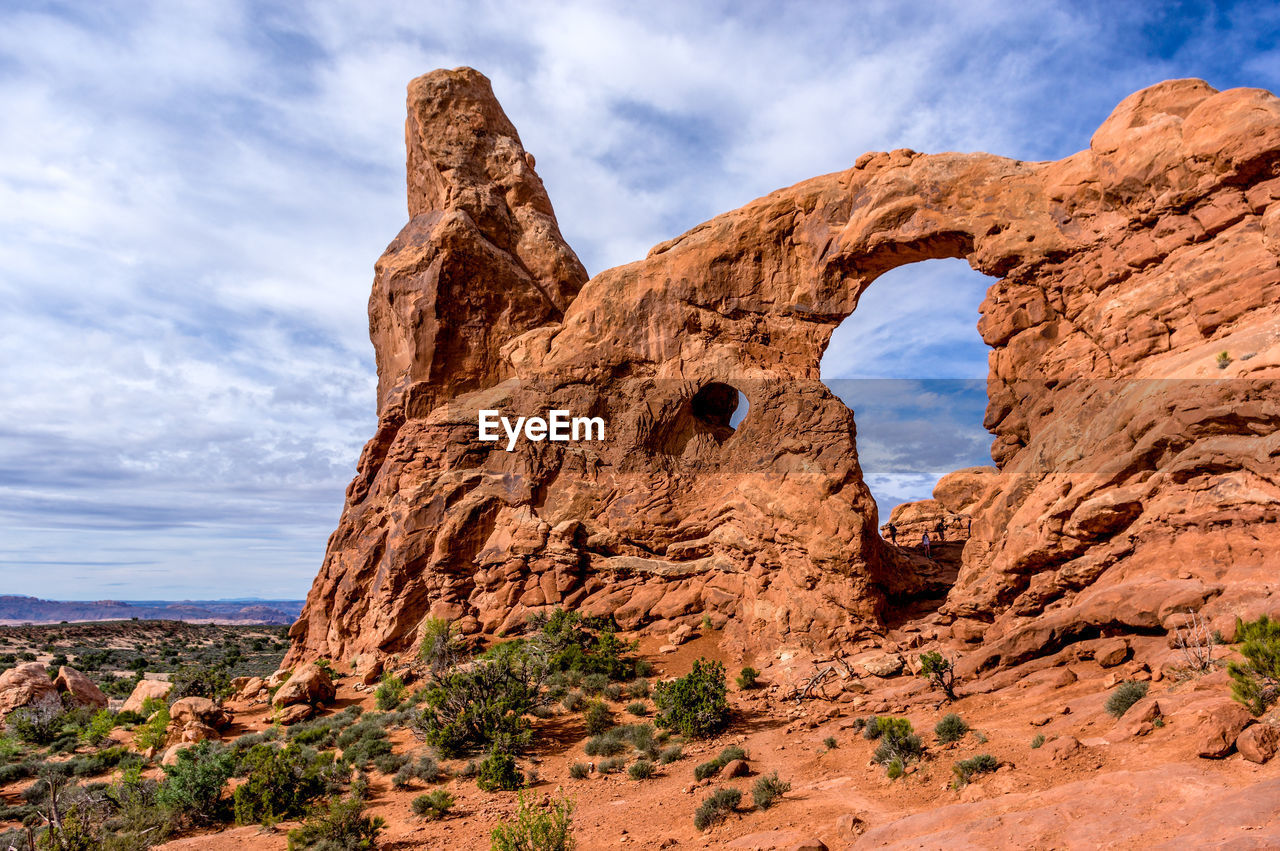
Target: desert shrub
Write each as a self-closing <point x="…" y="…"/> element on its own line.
<point x="587" y="646"/>
<point x="390" y="692"/>
<point x="747" y="678"/>
<point x="951" y="728"/>
<point x="597" y="718"/>
<point x="579" y="771"/>
<point x="193" y="786"/>
<point x="1037" y="741"/>
<point x="1125" y="695"/>
<point x="712" y="767"/>
<point x="641" y="769"/>
<point x="638" y="708"/>
<point x="39" y="725"/>
<point x="279" y="783"/>
<point x="138" y="821"/>
<point x="716" y="807"/>
<point x="212" y="682"/>
<point x="341" y="826"/>
<point x="98" y="729"/>
<point x="364" y="741"/>
<point x="536" y="828"/>
<point x="432" y="806"/>
<point x="694" y="704"/>
<point x="964" y="770"/>
<point x="594" y="683"/>
<point x="613" y="691"/>
<point x="439" y="646"/>
<point x="498" y="772"/>
<point x="483" y="706"/>
<point x="94" y="764"/>
<point x="940" y="672"/>
<point x="390" y="763"/>
<point x="643" y="668"/>
<point x="639" y="689"/>
<point x="829" y="743"/>
<point x="670" y="754"/>
<point x="154" y="732"/>
<point x="871" y="728"/>
<point x="428" y="770"/>
<point x="898" y="742"/>
<point x="1256" y="681"/>
<point x="611" y="765"/>
<point x="608" y="743"/>
<point x="768" y="790"/>
<point x="573" y="701"/>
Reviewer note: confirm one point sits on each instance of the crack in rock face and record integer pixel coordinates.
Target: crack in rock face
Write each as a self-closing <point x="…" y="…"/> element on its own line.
<point x="1135" y="473"/>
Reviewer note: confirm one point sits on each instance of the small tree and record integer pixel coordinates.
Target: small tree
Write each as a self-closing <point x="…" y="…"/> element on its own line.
<point x="536" y="828"/>
<point x="193" y="786"/>
<point x="694" y="704"/>
<point x="1256" y="681"/>
<point x="940" y="672"/>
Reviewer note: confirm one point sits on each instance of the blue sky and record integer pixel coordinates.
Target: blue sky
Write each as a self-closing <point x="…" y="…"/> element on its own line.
<point x="192" y="195"/>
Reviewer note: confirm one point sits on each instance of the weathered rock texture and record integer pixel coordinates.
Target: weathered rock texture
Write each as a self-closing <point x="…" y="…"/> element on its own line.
<point x="1134" y="479"/>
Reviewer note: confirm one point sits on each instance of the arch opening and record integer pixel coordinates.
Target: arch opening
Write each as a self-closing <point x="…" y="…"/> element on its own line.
<point x="912" y="367"/>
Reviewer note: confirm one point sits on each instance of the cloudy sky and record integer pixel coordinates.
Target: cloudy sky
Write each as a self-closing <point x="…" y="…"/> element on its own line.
<point x="192" y="195"/>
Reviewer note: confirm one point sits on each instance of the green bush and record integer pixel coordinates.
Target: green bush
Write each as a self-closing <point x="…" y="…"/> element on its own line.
<point x="390" y="692"/>
<point x="498" y="772"/>
<point x="1256" y="681"/>
<point x="483" y="706"/>
<point x="694" y="704"/>
<point x="940" y="672"/>
<point x="768" y="790"/>
<point x="98" y="729"/>
<point x="670" y="754"/>
<point x="536" y="828"/>
<point x="638" y="708"/>
<point x="38" y="725"/>
<point x="748" y="677"/>
<point x="154" y="732"/>
<point x="716" y="807"/>
<point x="595" y="683"/>
<point x="1124" y="696"/>
<point x="1037" y="741"/>
<point x="898" y="743"/>
<point x="829" y="743"/>
<point x="607" y="744"/>
<point x="585" y="646"/>
<point x="611" y="765"/>
<point x="641" y="769"/>
<point x="199" y="681"/>
<point x="597" y="718"/>
<point x="712" y="767"/>
<point x="573" y="701"/>
<point x="871" y="728"/>
<point x="964" y="770"/>
<point x="639" y="689"/>
<point x="579" y="771"/>
<point x="193" y="786"/>
<point x="341" y="826"/>
<point x="432" y="806"/>
<point x="951" y="728"/>
<point x="279" y="783"/>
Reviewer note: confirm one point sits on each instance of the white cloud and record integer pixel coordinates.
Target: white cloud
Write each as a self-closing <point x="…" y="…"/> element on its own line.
<point x="192" y="197"/>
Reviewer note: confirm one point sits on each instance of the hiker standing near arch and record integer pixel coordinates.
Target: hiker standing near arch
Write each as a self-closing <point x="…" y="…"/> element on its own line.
<point x="893" y="534"/>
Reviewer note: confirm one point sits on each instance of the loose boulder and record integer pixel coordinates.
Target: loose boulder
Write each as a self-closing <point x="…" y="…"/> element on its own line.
<point x="884" y="665"/>
<point x="83" y="691"/>
<point x="310" y="685"/>
<point x="1218" y="727"/>
<point x="26" y="685"/>
<point x="146" y="690"/>
<point x="199" y="710"/>
<point x="1259" y="743"/>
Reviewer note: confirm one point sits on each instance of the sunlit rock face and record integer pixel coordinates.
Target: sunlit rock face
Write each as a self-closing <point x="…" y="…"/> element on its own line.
<point x="1136" y="470"/>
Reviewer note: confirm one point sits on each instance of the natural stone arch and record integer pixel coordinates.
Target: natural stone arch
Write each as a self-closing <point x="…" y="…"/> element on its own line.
<point x="1135" y="259"/>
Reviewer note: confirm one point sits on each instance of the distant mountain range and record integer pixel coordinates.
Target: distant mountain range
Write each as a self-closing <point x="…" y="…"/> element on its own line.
<point x="16" y="609"/>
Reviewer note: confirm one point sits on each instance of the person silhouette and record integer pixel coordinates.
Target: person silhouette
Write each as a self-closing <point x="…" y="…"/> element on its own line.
<point x="924" y="544"/>
<point x="893" y="534"/>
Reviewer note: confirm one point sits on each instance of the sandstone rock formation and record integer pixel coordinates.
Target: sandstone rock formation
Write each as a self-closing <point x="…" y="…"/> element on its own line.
<point x="310" y="685"/>
<point x="1136" y="472"/>
<point x="143" y="691"/>
<point x="83" y="691"/>
<point x="26" y="685"/>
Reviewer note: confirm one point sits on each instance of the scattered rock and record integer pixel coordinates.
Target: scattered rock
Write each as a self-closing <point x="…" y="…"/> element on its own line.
<point x="26" y="685"/>
<point x="680" y="635"/>
<point x="83" y="691"/>
<point x="309" y="685"/>
<point x="735" y="768"/>
<point x="295" y="713"/>
<point x="1218" y="726"/>
<point x="171" y="755"/>
<point x="1110" y="652"/>
<point x="1060" y="749"/>
<point x="146" y="690"/>
<point x="200" y="710"/>
<point x="1259" y="743"/>
<point x="884" y="665"/>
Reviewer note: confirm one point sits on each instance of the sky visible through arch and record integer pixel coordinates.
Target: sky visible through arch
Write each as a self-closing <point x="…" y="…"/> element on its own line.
<point x="192" y="196"/>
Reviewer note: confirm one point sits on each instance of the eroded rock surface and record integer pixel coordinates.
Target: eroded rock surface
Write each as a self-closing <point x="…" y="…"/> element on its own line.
<point x="1135" y="479"/>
